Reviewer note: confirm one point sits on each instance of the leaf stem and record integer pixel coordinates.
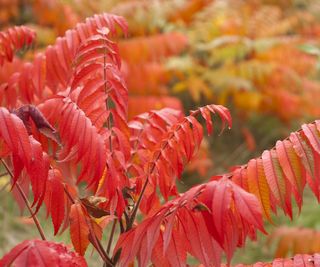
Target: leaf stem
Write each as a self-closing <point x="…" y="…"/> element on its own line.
<point x="111" y="235"/>
<point x="136" y="207"/>
<point x="26" y="201"/>
<point x="97" y="244"/>
<point x="121" y="225"/>
<point x="68" y="194"/>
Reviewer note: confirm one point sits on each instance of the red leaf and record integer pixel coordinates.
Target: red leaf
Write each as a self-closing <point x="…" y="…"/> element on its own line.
<point x="38" y="253"/>
<point x="15" y="135"/>
<point x="14" y="39"/>
<point x="38" y="172"/>
<point x="55" y="198"/>
<point x="248" y="208"/>
<point x="207" y="117"/>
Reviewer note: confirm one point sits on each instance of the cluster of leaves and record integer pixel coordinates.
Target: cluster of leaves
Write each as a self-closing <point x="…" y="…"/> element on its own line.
<point x="231" y="53"/>
<point x="65" y="121"/>
<point x="245" y="51"/>
<point x="235" y="50"/>
<point x="143" y="53"/>
<point x="233" y="58"/>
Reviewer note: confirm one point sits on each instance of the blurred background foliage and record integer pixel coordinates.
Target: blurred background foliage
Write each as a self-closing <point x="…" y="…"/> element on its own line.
<point x="260" y="58"/>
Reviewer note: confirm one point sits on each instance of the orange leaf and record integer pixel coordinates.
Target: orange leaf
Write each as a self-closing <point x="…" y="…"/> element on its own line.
<point x="79" y="230"/>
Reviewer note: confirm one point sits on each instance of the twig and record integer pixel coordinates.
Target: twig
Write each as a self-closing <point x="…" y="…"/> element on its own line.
<point x="135" y="209"/>
<point x="68" y="194"/>
<point x="26" y="201"/>
<point x="111" y="235"/>
<point x="121" y="226"/>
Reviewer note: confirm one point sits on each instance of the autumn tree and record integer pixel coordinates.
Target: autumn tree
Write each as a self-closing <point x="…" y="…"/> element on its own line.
<point x="64" y="123"/>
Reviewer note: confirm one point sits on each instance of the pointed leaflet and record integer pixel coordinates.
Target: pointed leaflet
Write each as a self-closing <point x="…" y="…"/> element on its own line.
<point x="290" y="164"/>
<point x="197" y="130"/>
<point x="219" y="201"/>
<point x="148" y="242"/>
<point x="223" y="113"/>
<point x="275" y="178"/>
<point x="258" y="185"/>
<point x="304" y="152"/>
<point x="202" y="245"/>
<point x="312" y="135"/>
<point x="55" y="198"/>
<point x="307" y="158"/>
<point x="207" y="117"/>
<point x="247" y="206"/>
<point x="14" y="133"/>
<point x="136" y="237"/>
<point x="159" y="258"/>
<point x="176" y="253"/>
<point x="79" y="230"/>
<point x="41" y="254"/>
<point x="38" y="172"/>
<point x="239" y="177"/>
<point x="92" y="100"/>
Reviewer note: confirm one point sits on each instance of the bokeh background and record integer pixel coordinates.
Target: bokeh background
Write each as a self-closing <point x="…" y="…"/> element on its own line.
<point x="259" y="58"/>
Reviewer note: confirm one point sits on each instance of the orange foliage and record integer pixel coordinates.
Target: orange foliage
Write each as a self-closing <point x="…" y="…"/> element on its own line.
<point x="55" y="14"/>
<point x="151" y="102"/>
<point x="295" y="240"/>
<point x="152" y="48"/>
<point x="9" y="9"/>
<point x="186" y="12"/>
<point x="146" y="79"/>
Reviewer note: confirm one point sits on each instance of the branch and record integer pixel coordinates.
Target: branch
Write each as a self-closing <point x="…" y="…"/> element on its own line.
<point x="136" y="207"/>
<point x="111" y="235"/>
<point x="174" y="129"/>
